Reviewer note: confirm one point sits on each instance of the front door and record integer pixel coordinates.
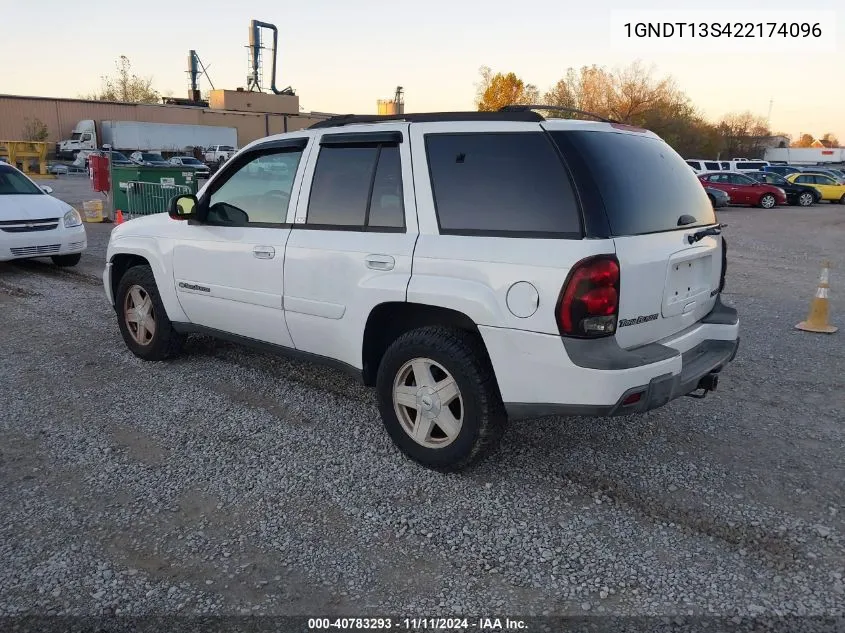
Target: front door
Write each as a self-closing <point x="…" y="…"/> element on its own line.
<point x="353" y="238"/>
<point x="229" y="266"/>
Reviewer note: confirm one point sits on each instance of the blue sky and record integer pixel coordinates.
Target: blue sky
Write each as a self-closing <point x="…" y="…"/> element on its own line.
<point x="343" y="56"/>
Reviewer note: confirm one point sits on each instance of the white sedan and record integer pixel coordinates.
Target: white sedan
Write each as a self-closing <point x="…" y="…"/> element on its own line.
<point x="35" y="224"/>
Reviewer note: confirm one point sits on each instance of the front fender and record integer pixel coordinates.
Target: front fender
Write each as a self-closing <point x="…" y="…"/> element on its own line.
<point x="159" y="253"/>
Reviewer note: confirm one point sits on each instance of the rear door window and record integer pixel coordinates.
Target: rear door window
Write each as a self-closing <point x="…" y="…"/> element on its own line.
<point x="357" y="187"/>
<point x="341" y="187"/>
<point x="645" y="185"/>
<point x="507" y="184"/>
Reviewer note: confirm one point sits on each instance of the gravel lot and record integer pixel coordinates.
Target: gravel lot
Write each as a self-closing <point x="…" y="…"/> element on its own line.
<point x="232" y="482"/>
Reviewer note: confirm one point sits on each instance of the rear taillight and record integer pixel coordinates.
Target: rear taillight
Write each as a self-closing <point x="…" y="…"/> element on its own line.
<point x="724" y="265"/>
<point x="589" y="302"/>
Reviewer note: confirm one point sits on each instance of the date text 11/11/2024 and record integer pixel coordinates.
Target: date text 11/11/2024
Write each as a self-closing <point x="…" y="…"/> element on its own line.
<point x="417" y="624"/>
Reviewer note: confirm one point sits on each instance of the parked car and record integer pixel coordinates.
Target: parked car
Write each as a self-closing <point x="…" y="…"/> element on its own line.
<point x="827" y="172"/>
<point x="219" y="154"/>
<point x="744" y="190"/>
<point x="718" y="198"/>
<point x="783" y="170"/>
<point x="701" y="165"/>
<point x="199" y="167"/>
<point x="743" y="165"/>
<point x="119" y="158"/>
<point x="456" y="268"/>
<point x="838" y="174"/>
<point x="828" y="188"/>
<point x="35" y="224"/>
<point x="801" y="195"/>
<point x="149" y="159"/>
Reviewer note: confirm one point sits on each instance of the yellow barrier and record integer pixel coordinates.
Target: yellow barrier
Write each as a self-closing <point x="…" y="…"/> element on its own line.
<point x="24" y="152"/>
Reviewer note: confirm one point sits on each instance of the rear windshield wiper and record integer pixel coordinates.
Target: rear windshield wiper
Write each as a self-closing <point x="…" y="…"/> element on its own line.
<point x="700" y="235"/>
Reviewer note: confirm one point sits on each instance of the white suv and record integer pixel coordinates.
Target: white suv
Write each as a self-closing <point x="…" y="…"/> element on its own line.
<point x="472" y="267"/>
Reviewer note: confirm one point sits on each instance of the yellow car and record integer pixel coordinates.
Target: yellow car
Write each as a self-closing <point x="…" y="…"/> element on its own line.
<point x="827" y="186"/>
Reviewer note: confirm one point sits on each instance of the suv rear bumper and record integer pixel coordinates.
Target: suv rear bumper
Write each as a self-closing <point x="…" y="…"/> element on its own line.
<point x="542" y="374"/>
<point x="709" y="357"/>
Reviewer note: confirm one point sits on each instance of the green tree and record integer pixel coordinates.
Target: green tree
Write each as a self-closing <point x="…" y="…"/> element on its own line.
<point x="126" y="86"/>
<point x="35" y="130"/>
<point x="495" y="91"/>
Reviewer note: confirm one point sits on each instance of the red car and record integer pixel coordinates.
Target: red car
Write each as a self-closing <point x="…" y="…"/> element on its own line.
<point x="744" y="190"/>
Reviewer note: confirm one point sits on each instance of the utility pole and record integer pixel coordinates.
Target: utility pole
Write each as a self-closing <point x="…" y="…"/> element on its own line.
<point x="769" y="117"/>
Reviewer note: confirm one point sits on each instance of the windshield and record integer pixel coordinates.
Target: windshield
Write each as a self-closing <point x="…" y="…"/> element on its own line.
<point x="118" y="156"/>
<point x="190" y="161"/>
<point x="776" y="179"/>
<point x="13" y="183"/>
<point x="645" y="185"/>
<point x="152" y="157"/>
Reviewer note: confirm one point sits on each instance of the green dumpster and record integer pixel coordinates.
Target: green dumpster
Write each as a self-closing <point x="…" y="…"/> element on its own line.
<point x="139" y="190"/>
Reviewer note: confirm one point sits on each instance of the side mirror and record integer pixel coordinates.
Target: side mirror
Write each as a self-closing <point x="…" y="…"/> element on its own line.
<point x="46" y="189"/>
<point x="183" y="207"/>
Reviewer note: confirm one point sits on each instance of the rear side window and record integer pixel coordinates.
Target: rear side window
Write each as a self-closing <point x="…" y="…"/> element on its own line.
<point x="341" y="187"/>
<point x="357" y="186"/>
<point x="644" y="184"/>
<point x="508" y="184"/>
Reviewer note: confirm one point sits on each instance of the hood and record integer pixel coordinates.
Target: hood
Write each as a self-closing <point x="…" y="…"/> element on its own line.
<point x="154" y="224"/>
<point x="31" y="207"/>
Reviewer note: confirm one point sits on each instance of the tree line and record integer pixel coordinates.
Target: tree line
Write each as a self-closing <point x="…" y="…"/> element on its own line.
<point x="635" y="95"/>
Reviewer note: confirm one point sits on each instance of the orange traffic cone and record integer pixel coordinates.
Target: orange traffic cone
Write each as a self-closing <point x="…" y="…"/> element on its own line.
<point x="817" y="319"/>
<point x="118" y="217"/>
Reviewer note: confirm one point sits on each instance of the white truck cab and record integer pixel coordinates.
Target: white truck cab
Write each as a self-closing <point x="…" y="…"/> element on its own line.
<point x="472" y="267"/>
<point x="82" y="139"/>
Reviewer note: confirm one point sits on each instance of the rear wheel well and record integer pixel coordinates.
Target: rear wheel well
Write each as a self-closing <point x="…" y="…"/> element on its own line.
<point x="119" y="265"/>
<point x="388" y="321"/>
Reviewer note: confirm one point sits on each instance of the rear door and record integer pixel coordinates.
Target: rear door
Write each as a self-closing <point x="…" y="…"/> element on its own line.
<point x="744" y="189"/>
<point x="352" y="240"/>
<point x="653" y="205"/>
<point x="723" y="182"/>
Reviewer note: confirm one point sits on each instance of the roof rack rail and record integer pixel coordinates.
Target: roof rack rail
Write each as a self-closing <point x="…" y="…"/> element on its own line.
<point x="428" y="117"/>
<point x="528" y="108"/>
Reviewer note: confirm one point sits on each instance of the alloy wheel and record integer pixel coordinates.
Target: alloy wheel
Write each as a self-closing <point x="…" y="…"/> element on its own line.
<point x="139" y="315"/>
<point x="428" y="403"/>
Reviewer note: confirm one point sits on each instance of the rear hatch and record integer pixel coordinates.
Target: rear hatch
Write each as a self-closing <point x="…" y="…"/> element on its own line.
<point x="638" y="191"/>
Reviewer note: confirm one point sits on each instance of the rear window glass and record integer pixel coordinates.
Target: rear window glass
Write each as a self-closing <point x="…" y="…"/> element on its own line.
<point x="645" y="185"/>
<point x="507" y="184"/>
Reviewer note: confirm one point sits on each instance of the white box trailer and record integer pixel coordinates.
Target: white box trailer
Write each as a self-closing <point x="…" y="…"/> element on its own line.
<point x="164" y="137"/>
<point x="805" y="155"/>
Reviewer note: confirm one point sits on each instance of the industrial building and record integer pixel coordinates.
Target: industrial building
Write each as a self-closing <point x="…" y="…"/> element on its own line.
<point x="256" y="111"/>
<point x="253" y="114"/>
